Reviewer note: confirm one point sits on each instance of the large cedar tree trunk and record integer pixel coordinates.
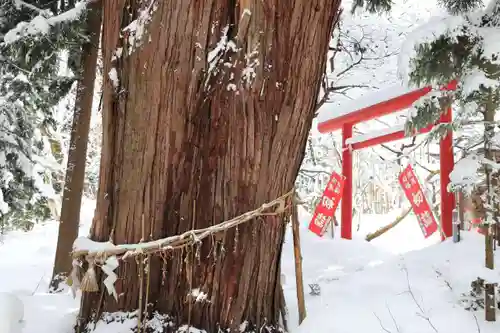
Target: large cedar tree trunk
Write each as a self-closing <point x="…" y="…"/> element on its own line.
<point x="75" y="171"/>
<point x="188" y="144"/>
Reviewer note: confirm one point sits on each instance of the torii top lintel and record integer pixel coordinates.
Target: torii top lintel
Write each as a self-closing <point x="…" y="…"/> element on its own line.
<point x="391" y="105"/>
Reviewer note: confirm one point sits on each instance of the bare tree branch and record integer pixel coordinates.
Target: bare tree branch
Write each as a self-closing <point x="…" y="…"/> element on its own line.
<point x="421" y="314"/>
<point x="314" y="172"/>
<point x="357" y="51"/>
<point x="393" y="319"/>
<point x="381" y="325"/>
<point x="477" y="323"/>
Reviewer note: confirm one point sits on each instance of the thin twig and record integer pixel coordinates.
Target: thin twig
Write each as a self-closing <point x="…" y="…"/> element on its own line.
<point x="422" y="312"/>
<point x="393" y="319"/>
<point x="380" y="322"/>
<point x="315" y="171"/>
<point x="38" y="285"/>
<point x="445" y="281"/>
<point x="477" y="323"/>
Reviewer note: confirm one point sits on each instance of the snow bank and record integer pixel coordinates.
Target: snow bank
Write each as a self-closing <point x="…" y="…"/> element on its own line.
<point x="26" y="260"/>
<point x="367" y="289"/>
<point x="12" y="313"/>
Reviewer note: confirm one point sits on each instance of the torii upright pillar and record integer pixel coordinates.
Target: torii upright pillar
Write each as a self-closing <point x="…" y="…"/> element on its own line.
<point x="346" y="208"/>
<point x="446" y="167"/>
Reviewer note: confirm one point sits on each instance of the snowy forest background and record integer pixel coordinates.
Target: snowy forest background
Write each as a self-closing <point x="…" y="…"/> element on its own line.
<point x="368" y="47"/>
<point x="368" y="52"/>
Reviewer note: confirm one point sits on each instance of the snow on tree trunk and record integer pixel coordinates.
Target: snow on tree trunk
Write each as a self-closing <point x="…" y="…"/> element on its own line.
<point x="491" y="202"/>
<point x="75" y="171"/>
<point x="206" y="114"/>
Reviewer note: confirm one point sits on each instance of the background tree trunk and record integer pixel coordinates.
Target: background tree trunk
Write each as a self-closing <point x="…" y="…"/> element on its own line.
<point x="75" y="171"/>
<point x="491" y="204"/>
<point x="188" y="143"/>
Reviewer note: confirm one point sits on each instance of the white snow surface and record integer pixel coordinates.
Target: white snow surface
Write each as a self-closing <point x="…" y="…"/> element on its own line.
<point x="364" y="286"/>
<point x="26" y="260"/>
<point x="399" y="282"/>
<point x="12" y="312"/>
<point x="367" y="100"/>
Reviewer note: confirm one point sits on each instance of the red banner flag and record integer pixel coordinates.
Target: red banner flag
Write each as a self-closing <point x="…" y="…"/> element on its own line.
<point x="323" y="214"/>
<point x="421" y="207"/>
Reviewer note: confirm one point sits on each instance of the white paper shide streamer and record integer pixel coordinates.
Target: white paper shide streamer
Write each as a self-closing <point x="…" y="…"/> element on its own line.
<point x="108" y="268"/>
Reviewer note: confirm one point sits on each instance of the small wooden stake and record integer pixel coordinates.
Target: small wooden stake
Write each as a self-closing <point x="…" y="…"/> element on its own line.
<point x="490" y="305"/>
<point x="333" y="224"/>
<point x="461" y="209"/>
<point x="298" y="261"/>
<point x="488" y="249"/>
<point x="456" y="221"/>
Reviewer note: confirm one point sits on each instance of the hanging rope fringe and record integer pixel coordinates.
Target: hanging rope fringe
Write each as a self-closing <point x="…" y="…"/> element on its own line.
<point x="89" y="281"/>
<point x="101" y="253"/>
<point x="73" y="280"/>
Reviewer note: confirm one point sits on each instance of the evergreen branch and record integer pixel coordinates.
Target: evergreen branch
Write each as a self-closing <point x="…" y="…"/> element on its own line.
<point x="11" y="63"/>
<point x="21" y="3"/>
<point x="34" y="27"/>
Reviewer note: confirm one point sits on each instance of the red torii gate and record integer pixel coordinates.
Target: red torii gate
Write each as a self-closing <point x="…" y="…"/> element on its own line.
<point x="397" y="100"/>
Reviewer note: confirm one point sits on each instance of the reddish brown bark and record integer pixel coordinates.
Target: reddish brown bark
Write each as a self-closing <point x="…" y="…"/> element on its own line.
<point x="181" y="154"/>
<point x="75" y="171"/>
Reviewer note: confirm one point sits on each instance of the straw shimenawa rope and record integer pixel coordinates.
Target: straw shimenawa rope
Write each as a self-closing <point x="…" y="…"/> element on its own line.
<point x="188" y="238"/>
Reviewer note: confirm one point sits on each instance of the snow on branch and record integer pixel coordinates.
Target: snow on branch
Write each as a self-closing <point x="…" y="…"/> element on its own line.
<point x="41" y="24"/>
<point x="98" y="250"/>
<point x="21" y="3"/>
<point x="136" y="30"/>
<point x="436" y="26"/>
<point x="464" y="174"/>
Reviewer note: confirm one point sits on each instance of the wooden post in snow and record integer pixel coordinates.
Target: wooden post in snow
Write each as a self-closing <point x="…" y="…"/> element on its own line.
<point x="490" y="304"/>
<point x="489" y="261"/>
<point x="461" y="209"/>
<point x="298" y="261"/>
<point x="334" y="224"/>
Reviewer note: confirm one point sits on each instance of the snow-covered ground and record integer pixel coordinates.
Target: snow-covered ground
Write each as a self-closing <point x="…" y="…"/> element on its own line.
<point x="397" y="283"/>
<point x="26" y="260"/>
